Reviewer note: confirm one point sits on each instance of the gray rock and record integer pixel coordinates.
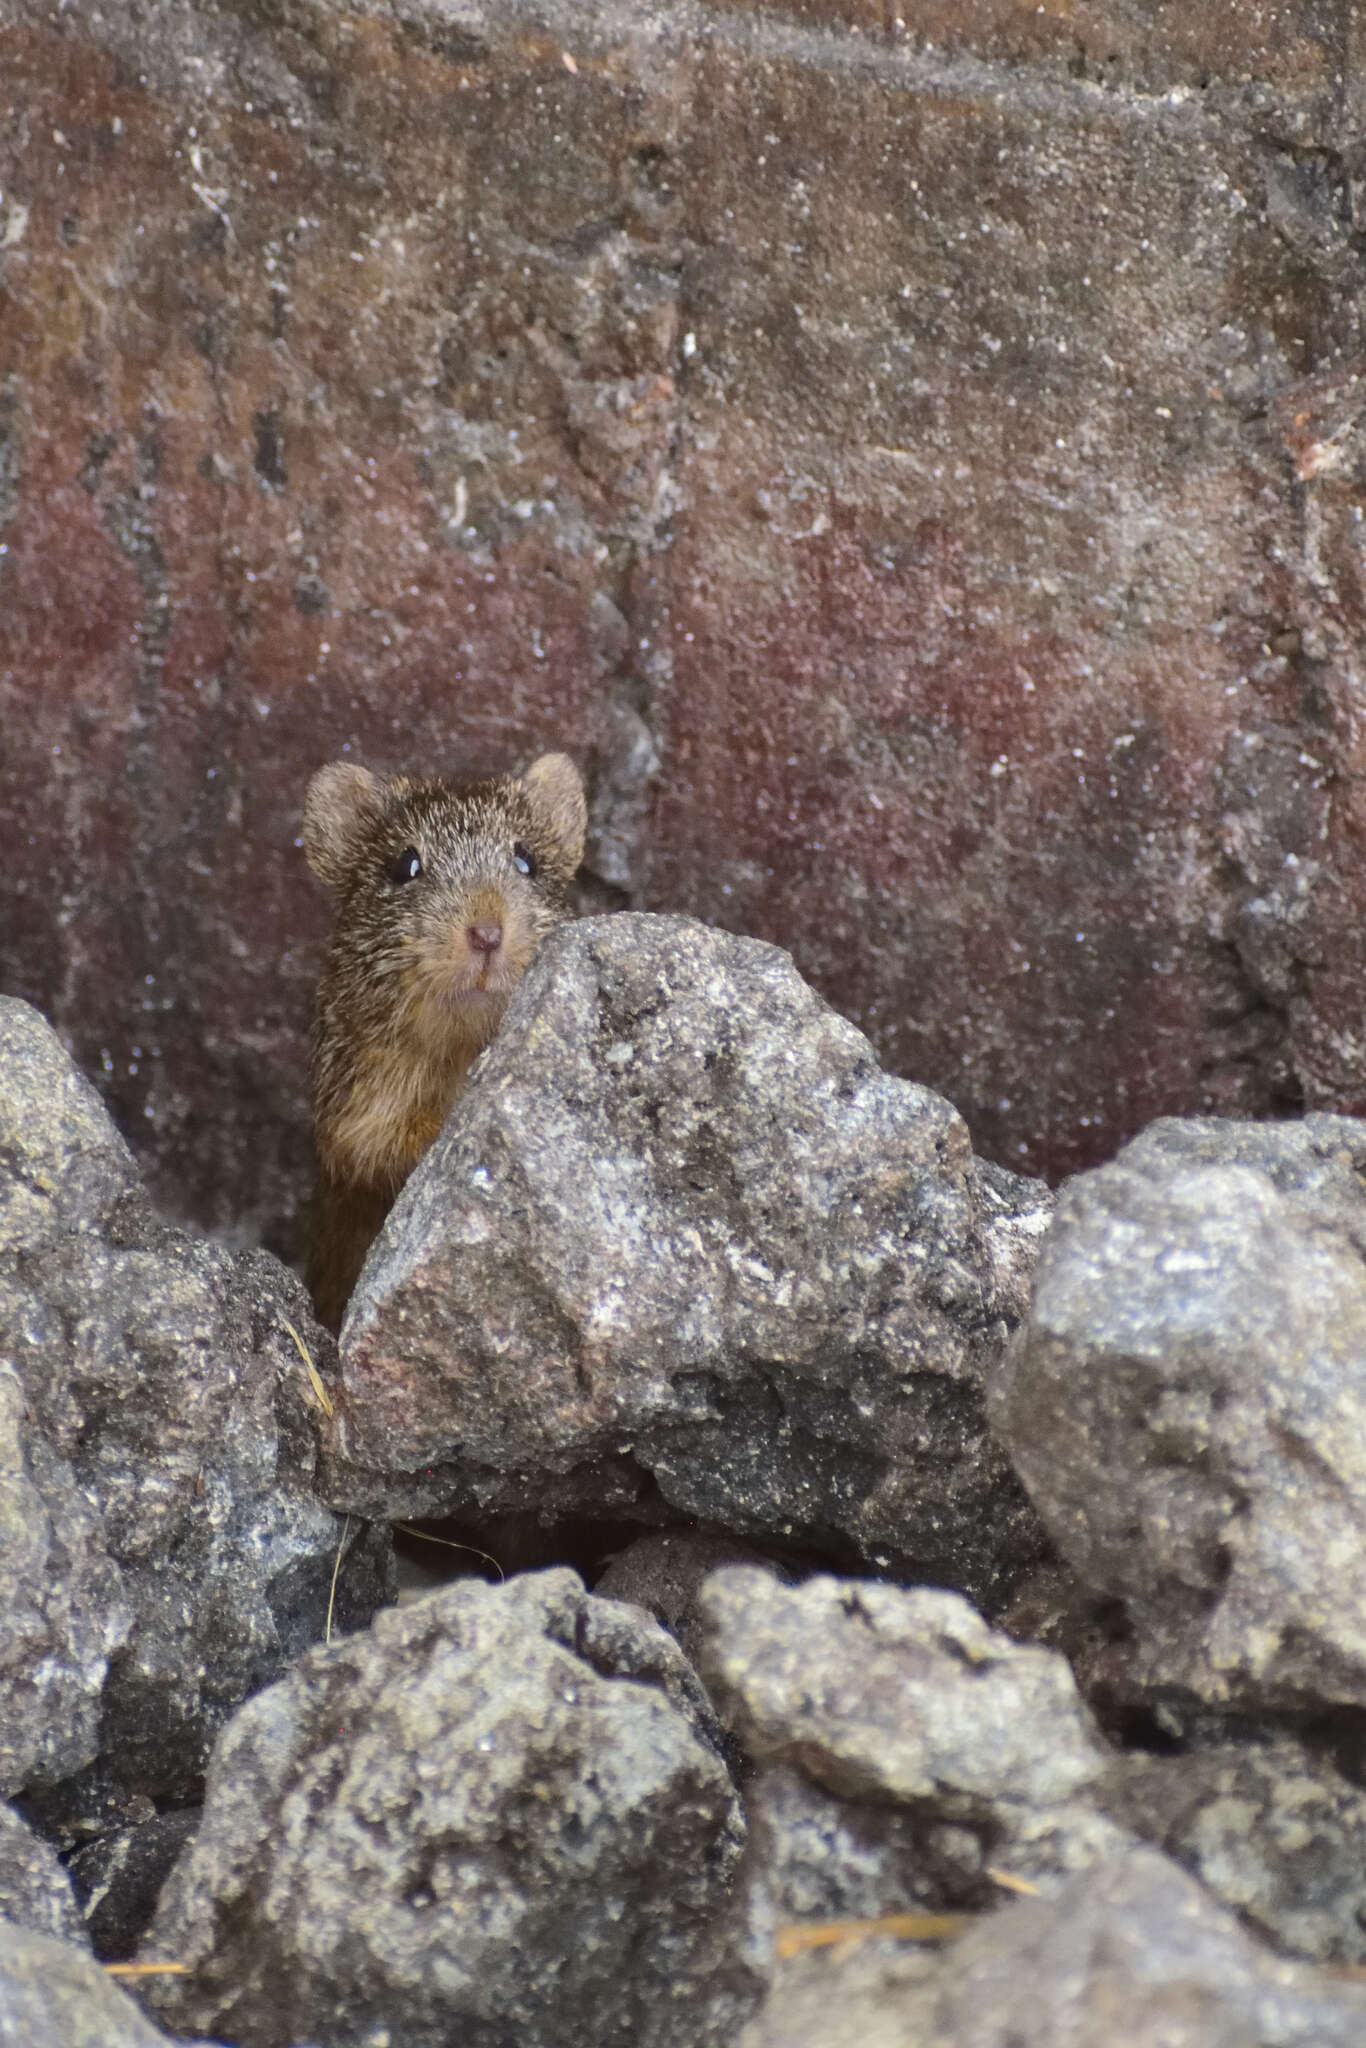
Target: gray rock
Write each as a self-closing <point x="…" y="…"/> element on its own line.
<point x="1271" y="1829"/>
<point x="1130" y="1955"/>
<point x="1135" y="1955"/>
<point x="496" y="1817"/>
<point x="909" y="1755"/>
<point x="911" y="1758"/>
<point x="54" y="1995"/>
<point x="1187" y="1408"/>
<point x="682" y="1241"/>
<point x="894" y="1693"/>
<point x="35" y="1891"/>
<point x="162" y="1549"/>
<point x="873" y="1993"/>
<point x="815" y="1856"/>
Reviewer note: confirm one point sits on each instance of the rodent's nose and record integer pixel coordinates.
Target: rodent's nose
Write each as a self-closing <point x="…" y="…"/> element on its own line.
<point x="484" y="938"/>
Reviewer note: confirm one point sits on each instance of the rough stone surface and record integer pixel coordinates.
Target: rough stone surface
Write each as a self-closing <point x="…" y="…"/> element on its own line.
<point x="912" y="457"/>
<point x="1272" y="1829"/>
<point x="1132" y="1955"/>
<point x="497" y="1816"/>
<point x="683" y="1248"/>
<point x="906" y="1750"/>
<point x="1187" y="1408"/>
<point x="35" y="1891"/>
<point x="54" y="1995"/>
<point x="118" y="1879"/>
<point x="162" y="1551"/>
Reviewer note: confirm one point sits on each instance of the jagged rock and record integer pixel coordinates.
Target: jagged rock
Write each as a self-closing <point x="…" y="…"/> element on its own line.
<point x="1130" y="1955"/>
<point x="118" y="1879"/>
<point x="499" y="1815"/>
<point x="54" y="1995"/>
<point x="1187" y="1409"/>
<point x="35" y="1891"/>
<point x="908" y="1754"/>
<point x="162" y="1550"/>
<point x="1273" y="1830"/>
<point x="683" y="1242"/>
<point x="907" y="1757"/>
<point x="894" y="1692"/>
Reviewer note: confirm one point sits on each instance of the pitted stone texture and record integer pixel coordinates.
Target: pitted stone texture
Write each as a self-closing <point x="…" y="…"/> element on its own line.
<point x="1187" y="1408"/>
<point x="35" y="1891"/>
<point x="495" y="1817"/>
<point x="1270" y="1828"/>
<point x="683" y="1241"/>
<point x="906" y="1749"/>
<point x="1130" y="1955"/>
<point x="162" y="1552"/>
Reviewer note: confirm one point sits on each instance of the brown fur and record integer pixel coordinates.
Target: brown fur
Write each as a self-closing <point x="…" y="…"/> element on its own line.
<point x="407" y="1001"/>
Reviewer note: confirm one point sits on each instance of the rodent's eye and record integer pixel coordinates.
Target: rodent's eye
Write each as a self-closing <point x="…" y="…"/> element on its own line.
<point x="407" y="867"/>
<point x="524" y="860"/>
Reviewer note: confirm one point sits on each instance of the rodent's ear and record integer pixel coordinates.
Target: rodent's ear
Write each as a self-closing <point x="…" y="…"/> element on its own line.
<point x="342" y="804"/>
<point x="555" y="787"/>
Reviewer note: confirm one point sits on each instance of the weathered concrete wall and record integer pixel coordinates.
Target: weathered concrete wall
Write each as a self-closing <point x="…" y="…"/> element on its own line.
<point x="912" y="454"/>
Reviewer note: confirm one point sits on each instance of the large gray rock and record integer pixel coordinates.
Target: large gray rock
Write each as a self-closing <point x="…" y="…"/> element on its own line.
<point x="908" y="1755"/>
<point x="498" y="1816"/>
<point x="1131" y="1955"/>
<point x="53" y="1995"/>
<point x="162" y="1550"/>
<point x="1188" y="1410"/>
<point x="683" y="1242"/>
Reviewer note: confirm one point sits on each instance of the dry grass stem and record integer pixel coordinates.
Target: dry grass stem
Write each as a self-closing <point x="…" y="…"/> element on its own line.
<point x="449" y="1543"/>
<point x="145" y="1969"/>
<point x="336" y="1567"/>
<point x="325" y="1401"/>
<point x="798" y="1938"/>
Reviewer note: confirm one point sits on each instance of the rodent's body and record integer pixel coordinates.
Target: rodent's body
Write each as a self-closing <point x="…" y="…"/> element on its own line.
<point x="443" y="894"/>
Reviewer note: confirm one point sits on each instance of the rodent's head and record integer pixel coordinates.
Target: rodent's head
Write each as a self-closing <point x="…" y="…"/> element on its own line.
<point x="443" y="892"/>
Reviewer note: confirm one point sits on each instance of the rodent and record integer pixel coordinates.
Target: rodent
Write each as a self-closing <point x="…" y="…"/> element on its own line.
<point x="443" y="893"/>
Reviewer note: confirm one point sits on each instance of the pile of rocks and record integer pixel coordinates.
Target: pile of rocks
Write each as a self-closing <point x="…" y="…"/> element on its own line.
<point x="988" y="1569"/>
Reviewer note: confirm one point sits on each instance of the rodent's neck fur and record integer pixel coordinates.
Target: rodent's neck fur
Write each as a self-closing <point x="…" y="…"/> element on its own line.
<point x="384" y="1109"/>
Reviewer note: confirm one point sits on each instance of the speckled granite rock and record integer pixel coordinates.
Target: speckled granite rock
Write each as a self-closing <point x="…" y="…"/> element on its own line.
<point x="162" y="1551"/>
<point x="684" y="1247"/>
<point x="498" y="1815"/>
<point x="905" y="1754"/>
<point x="1187" y="1409"/>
